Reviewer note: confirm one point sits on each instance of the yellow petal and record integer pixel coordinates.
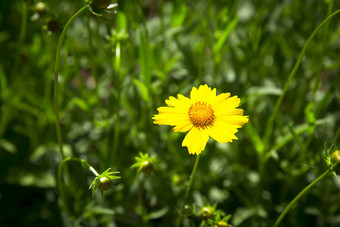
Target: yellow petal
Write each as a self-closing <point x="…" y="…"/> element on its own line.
<point x="165" y="109"/>
<point x="229" y="112"/>
<point x="227" y="106"/>
<point x="183" y="126"/>
<point x="233" y="120"/>
<point x="220" y="98"/>
<point x="172" y="115"/>
<point x="169" y="119"/>
<point x="195" y="140"/>
<point x="181" y="102"/>
<point x="183" y="98"/>
<point x="223" y="132"/>
<point x="193" y="93"/>
<point x="202" y="94"/>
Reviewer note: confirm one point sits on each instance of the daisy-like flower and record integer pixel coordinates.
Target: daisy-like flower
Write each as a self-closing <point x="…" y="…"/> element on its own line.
<point x="203" y="115"/>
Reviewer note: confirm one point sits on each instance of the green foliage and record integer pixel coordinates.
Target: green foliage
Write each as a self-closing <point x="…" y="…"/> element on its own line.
<point x="116" y="68"/>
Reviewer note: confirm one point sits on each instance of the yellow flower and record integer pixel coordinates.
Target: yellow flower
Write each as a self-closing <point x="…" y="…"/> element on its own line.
<point x="203" y="115"/>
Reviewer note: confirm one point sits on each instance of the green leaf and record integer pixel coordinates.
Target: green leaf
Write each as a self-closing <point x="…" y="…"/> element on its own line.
<point x="143" y="89"/>
<point x="121" y="21"/>
<point x="97" y="211"/>
<point x="255" y="138"/>
<point x="178" y="14"/>
<point x="242" y="214"/>
<point x="158" y="214"/>
<point x="80" y="103"/>
<point x="223" y="38"/>
<point x="8" y="146"/>
<point x="324" y="102"/>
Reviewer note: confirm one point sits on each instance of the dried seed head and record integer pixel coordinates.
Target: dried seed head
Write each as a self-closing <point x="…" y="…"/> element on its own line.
<point x="54" y="26"/>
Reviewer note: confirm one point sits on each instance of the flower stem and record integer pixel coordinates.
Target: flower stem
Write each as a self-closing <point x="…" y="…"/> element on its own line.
<point x="140" y="207"/>
<point x="93" y="171"/>
<point x="117" y="124"/>
<point x="304" y="191"/>
<point x="60" y="181"/>
<point x="56" y="73"/>
<point x="192" y="176"/>
<point x="269" y="126"/>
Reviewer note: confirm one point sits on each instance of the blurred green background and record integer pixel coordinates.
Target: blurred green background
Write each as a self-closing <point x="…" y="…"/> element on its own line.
<point x="116" y="69"/>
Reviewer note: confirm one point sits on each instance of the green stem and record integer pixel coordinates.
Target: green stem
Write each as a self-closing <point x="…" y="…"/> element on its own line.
<point x="81" y="161"/>
<point x="192" y="177"/>
<point x="22" y="36"/>
<point x="304" y="191"/>
<point x="324" y="44"/>
<point x="140" y="207"/>
<point x="92" y="54"/>
<point x="56" y="73"/>
<point x="269" y="126"/>
<point x="5" y="112"/>
<point x="324" y="40"/>
<point x="23" y="24"/>
<point x="116" y="66"/>
<point x="60" y="177"/>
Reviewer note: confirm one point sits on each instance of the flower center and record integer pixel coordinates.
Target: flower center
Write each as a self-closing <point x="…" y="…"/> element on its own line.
<point x="201" y="115"/>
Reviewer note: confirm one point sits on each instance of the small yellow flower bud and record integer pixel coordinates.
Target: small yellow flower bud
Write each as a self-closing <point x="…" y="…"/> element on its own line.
<point x="205" y="213"/>
<point x="222" y="224"/>
<point x="336" y="156"/>
<point x="105" y="184"/>
<point x="176" y="180"/>
<point x="147" y="166"/>
<point x="101" y="4"/>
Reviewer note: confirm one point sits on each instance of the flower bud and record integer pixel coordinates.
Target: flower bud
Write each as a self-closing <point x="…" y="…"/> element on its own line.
<point x="147" y="166"/>
<point x="336" y="156"/>
<point x="205" y="213"/>
<point x="105" y="184"/>
<point x="222" y="224"/>
<point x="40" y="7"/>
<point x="100" y="4"/>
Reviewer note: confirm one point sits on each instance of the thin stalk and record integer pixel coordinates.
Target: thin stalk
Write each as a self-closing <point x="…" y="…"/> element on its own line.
<point x="140" y="208"/>
<point x="325" y="42"/>
<point x="319" y="69"/>
<point x="116" y="65"/>
<point x="93" y="63"/>
<point x="92" y="54"/>
<point x="81" y="161"/>
<point x="192" y="177"/>
<point x="23" y="24"/>
<point x="56" y="74"/>
<point x="93" y="171"/>
<point x="22" y="36"/>
<point x="23" y="30"/>
<point x="304" y="191"/>
<point x="60" y="177"/>
<point x="269" y="126"/>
